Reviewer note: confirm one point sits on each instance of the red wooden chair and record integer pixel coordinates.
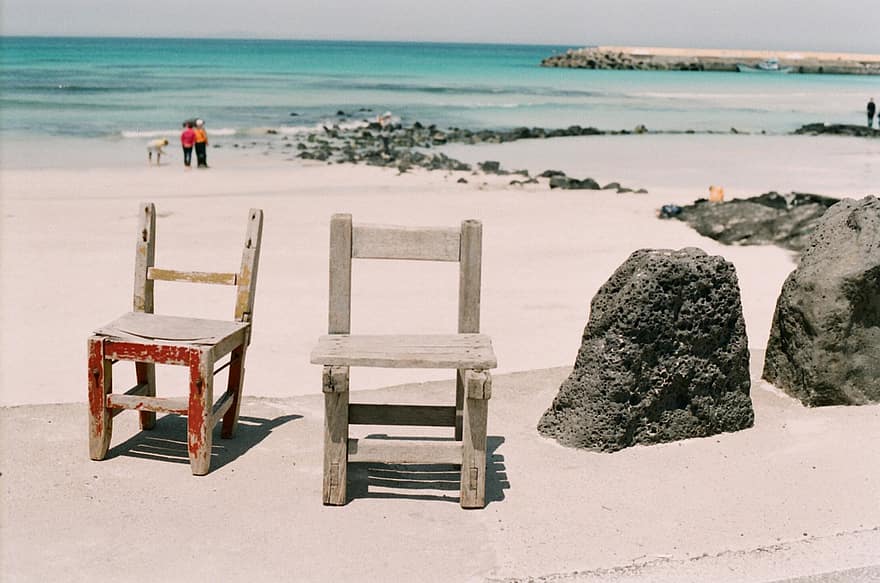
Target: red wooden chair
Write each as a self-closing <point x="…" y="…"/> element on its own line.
<point x="148" y="339"/>
<point x="468" y="352"/>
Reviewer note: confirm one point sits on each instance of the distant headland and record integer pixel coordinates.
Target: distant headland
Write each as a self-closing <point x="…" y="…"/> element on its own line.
<point x="672" y="59"/>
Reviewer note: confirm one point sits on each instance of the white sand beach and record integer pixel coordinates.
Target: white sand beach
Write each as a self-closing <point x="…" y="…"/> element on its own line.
<point x="796" y="496"/>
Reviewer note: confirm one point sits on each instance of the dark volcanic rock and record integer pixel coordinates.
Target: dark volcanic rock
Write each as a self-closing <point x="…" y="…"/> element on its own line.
<point x="490" y="166"/>
<point x="824" y="345"/>
<point x="567" y="183"/>
<point x="664" y="356"/>
<point x="771" y="218"/>
<point x="838" y="129"/>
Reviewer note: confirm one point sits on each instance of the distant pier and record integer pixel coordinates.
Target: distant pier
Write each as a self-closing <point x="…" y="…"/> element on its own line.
<point x="669" y="59"/>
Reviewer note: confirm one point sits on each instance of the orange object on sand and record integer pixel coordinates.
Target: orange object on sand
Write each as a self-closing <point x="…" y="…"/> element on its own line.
<point x="716" y="194"/>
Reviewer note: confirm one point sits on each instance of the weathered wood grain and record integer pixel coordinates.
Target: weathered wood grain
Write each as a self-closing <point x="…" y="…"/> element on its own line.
<point x="250" y="263"/>
<point x="159" y="327"/>
<point x="340" y="275"/>
<point x="406" y="351"/>
<point x="469" y="285"/>
<point x="335" y="447"/>
<point x="416" y="243"/>
<point x="209" y="277"/>
<point x="470" y="277"/>
<point x="335" y="379"/>
<point x="144" y="258"/>
<point x="478" y="384"/>
<point x="473" y="454"/>
<point x="174" y="405"/>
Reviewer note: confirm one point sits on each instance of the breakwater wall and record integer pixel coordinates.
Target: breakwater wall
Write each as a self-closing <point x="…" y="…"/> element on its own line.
<point x="670" y="59"/>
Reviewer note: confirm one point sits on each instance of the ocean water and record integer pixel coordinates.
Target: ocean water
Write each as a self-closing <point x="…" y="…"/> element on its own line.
<point x="121" y="89"/>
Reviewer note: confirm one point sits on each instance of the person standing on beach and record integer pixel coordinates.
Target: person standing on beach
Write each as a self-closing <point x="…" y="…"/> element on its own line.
<point x="871" y="109"/>
<point x="187" y="140"/>
<point x="201" y="144"/>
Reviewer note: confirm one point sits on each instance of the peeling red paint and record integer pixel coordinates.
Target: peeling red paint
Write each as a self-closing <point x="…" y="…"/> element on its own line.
<point x="196" y="413"/>
<point x="96" y="387"/>
<point x="158" y="353"/>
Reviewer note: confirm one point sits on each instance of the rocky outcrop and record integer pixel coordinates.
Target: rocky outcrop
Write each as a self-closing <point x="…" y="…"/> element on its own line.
<point x="569" y="183"/>
<point x="663" y="357"/>
<point x="838" y="129"/>
<point x="786" y="220"/>
<point x="406" y="147"/>
<point x="824" y="345"/>
<point x="604" y="58"/>
<point x="671" y="59"/>
<point x="559" y="179"/>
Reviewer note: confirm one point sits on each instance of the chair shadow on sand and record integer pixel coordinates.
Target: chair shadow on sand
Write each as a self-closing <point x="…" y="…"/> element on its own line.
<point x="425" y="481"/>
<point x="167" y="440"/>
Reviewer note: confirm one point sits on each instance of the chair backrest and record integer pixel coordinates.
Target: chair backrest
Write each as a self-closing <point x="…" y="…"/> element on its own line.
<point x="145" y="271"/>
<point x="356" y="241"/>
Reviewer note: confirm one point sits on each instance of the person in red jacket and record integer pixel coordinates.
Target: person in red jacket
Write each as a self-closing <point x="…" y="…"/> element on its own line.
<point x="187" y="140"/>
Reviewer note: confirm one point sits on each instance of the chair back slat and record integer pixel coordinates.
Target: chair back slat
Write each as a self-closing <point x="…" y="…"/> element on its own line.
<point x="157" y="274"/>
<point x="146" y="273"/>
<point x="359" y="241"/>
<point x="469" y="279"/>
<point x="250" y="262"/>
<point x="340" y="274"/>
<point x="393" y="242"/>
<point x="145" y="257"/>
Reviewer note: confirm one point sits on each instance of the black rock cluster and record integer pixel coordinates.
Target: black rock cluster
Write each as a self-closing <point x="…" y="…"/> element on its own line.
<point x="786" y="220"/>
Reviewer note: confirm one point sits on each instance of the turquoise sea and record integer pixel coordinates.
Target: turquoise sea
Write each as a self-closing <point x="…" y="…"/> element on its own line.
<point x="125" y="88"/>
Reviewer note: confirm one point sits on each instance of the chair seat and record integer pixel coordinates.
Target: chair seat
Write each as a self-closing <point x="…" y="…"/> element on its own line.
<point x="138" y="326"/>
<point x="460" y="351"/>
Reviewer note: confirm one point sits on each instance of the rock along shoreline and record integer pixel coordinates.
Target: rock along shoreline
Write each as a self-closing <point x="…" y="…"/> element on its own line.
<point x="676" y="59"/>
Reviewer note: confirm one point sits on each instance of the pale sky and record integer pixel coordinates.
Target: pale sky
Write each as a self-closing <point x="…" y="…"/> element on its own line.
<point x="825" y="25"/>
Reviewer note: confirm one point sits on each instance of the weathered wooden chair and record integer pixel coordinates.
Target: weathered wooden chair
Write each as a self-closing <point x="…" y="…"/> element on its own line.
<point x="149" y="339"/>
<point x="469" y="352"/>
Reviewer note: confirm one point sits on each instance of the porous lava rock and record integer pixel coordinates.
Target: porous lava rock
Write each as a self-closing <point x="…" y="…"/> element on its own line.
<point x="664" y="356"/>
<point x="824" y="345"/>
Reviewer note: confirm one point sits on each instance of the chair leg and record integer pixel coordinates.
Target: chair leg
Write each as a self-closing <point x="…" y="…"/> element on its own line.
<point x="459" y="402"/>
<point x="201" y="402"/>
<point x="335" y="435"/>
<point x="100" y="385"/>
<point x="473" y="456"/>
<point x="146" y="373"/>
<point x="234" y="384"/>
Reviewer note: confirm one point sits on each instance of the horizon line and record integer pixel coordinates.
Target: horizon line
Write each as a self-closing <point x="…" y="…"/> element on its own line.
<point x="223" y="37"/>
<point x="297" y="39"/>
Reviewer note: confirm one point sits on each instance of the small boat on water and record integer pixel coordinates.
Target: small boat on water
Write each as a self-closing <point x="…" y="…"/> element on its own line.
<point x="768" y="66"/>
